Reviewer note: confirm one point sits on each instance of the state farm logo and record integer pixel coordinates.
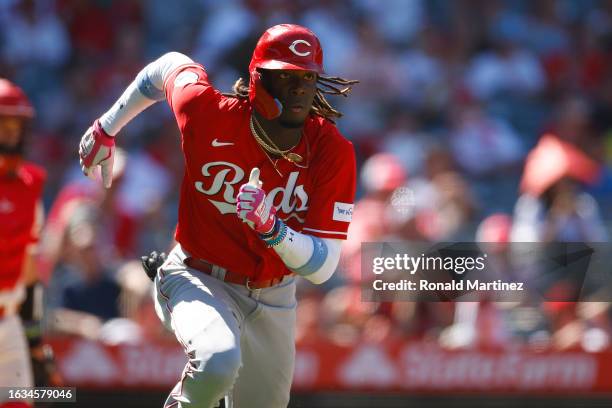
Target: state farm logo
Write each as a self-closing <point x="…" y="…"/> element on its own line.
<point x="229" y="178"/>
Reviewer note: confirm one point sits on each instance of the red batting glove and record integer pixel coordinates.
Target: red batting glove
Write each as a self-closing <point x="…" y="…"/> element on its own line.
<point x="97" y="148"/>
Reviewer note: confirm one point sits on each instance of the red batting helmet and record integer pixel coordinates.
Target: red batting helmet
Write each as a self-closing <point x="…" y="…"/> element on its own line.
<point x="13" y="101"/>
<point x="283" y="46"/>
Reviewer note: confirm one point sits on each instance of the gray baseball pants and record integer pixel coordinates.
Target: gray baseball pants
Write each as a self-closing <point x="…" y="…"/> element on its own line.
<point x="240" y="343"/>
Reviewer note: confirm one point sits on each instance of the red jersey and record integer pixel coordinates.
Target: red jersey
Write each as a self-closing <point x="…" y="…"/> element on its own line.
<point x="220" y="152"/>
<point x="19" y="196"/>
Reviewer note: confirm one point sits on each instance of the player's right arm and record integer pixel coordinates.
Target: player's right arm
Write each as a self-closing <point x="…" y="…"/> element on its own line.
<point x="98" y="142"/>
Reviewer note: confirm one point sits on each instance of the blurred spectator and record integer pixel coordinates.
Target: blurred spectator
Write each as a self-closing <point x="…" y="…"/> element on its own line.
<point x="80" y="20"/>
<point x="572" y="122"/>
<point x="553" y="206"/>
<point x="125" y="209"/>
<point x="398" y="22"/>
<point x="444" y="206"/>
<point x="227" y="25"/>
<point x="489" y="151"/>
<point x="505" y="69"/>
<point x="171" y="28"/>
<point x="80" y="197"/>
<point x="483" y="145"/>
<point x="408" y="142"/>
<point x="34" y="37"/>
<point x="127" y="57"/>
<point x="344" y="316"/>
<point x="424" y="75"/>
<point x="93" y="291"/>
<point x="546" y="30"/>
<point x="137" y="322"/>
<point x="88" y="293"/>
<point x="373" y="217"/>
<point x="482" y="324"/>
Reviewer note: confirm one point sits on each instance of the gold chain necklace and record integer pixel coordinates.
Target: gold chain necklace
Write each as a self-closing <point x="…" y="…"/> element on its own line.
<point x="273" y="163"/>
<point x="262" y="145"/>
<point x="286" y="154"/>
<point x="265" y="145"/>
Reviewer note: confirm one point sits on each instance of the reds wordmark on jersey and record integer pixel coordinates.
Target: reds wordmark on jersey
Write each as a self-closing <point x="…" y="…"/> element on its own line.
<point x="220" y="152"/>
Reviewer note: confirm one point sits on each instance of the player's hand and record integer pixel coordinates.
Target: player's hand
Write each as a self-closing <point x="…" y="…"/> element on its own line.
<point x="252" y="207"/>
<point x="97" y="148"/>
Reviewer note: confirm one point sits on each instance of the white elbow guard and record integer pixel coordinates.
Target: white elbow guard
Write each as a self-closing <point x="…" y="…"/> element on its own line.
<point x="323" y="262"/>
<point x="317" y="259"/>
<point x="312" y="257"/>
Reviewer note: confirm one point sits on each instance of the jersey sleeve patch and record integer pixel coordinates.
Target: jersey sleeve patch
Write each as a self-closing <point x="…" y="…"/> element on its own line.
<point x="343" y="212"/>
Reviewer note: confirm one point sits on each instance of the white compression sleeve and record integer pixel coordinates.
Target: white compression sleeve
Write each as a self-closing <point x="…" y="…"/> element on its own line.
<point x="144" y="91"/>
<point x="312" y="257"/>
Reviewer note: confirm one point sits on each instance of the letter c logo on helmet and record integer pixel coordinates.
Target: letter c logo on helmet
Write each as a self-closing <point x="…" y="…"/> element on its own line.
<point x="296" y="52"/>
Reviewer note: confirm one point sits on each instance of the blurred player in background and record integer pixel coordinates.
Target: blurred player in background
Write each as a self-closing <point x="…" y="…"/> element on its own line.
<point x="21" y="217"/>
<point x="227" y="290"/>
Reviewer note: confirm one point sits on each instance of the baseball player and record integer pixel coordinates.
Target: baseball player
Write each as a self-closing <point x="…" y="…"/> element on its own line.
<point x="267" y="194"/>
<point x="21" y="213"/>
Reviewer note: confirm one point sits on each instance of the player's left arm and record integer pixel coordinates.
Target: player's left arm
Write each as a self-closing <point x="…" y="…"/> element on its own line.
<point x="315" y="258"/>
<point x="311" y="256"/>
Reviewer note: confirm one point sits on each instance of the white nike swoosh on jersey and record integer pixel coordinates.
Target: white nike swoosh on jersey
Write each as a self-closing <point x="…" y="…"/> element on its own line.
<point x="216" y="143"/>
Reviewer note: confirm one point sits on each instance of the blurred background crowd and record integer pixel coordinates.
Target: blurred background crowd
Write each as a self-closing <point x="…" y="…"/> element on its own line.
<point x="482" y="120"/>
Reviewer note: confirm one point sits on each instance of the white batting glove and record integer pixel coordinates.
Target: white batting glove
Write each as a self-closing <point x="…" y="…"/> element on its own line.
<point x="252" y="207"/>
<point x="97" y="148"/>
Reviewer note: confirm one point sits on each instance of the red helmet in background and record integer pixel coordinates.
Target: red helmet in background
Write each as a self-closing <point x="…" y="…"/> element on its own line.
<point x="13" y="101"/>
<point x="283" y="46"/>
<point x="383" y="172"/>
<point x="495" y="229"/>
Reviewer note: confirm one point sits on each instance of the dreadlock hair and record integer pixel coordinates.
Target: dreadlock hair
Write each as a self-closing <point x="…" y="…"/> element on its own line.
<point x="320" y="106"/>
